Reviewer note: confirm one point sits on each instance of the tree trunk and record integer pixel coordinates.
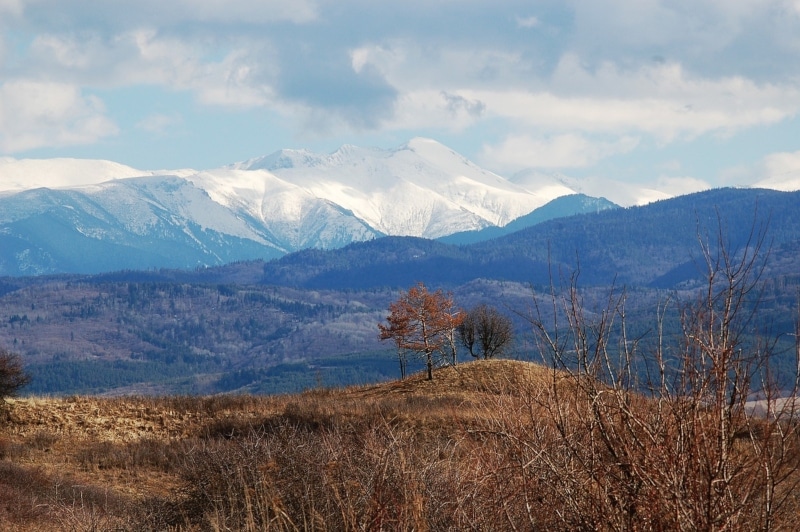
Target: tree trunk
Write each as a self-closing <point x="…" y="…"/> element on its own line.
<point x="429" y="363"/>
<point x="402" y="358"/>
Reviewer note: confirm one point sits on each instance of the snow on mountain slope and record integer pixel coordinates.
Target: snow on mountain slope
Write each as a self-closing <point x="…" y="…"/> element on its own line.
<point x="545" y="186"/>
<point x="421" y="188"/>
<point x="293" y="216"/>
<point x="133" y="223"/>
<point x="141" y="204"/>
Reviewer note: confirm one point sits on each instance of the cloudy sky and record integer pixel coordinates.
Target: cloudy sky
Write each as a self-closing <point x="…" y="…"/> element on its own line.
<point x="680" y="93"/>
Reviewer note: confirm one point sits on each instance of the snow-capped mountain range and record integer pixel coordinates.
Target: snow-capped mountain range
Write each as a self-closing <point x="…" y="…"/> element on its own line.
<point x="68" y="215"/>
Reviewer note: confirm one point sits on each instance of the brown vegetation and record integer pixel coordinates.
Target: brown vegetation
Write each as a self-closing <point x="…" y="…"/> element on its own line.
<point x="423" y="323"/>
<point x="12" y="375"/>
<point x="475" y="449"/>
<point x="613" y="433"/>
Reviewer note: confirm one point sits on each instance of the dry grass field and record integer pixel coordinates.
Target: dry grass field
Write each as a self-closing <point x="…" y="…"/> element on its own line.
<point x="476" y="448"/>
<point x="89" y="463"/>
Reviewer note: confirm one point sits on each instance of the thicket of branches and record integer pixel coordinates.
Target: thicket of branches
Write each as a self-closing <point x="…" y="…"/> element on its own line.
<point x="12" y="375"/>
<point x="664" y="435"/>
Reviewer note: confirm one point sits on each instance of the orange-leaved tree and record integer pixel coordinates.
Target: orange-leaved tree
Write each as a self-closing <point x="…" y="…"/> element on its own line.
<point x="422" y="322"/>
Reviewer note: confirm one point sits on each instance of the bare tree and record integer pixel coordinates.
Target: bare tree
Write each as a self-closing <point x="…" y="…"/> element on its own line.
<point x="485" y="332"/>
<point x="12" y="375"/>
<point x="422" y="322"/>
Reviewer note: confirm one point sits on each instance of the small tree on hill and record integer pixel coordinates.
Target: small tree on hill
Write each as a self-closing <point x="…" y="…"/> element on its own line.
<point x="12" y="376"/>
<point x="485" y="332"/>
<point x="422" y="322"/>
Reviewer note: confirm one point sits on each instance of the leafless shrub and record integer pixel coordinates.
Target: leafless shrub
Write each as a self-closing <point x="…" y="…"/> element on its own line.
<point x="485" y="332"/>
<point x="24" y="492"/>
<point x="12" y="375"/>
<point x="677" y="448"/>
<point x="340" y="477"/>
<point x="13" y="450"/>
<point x="31" y="495"/>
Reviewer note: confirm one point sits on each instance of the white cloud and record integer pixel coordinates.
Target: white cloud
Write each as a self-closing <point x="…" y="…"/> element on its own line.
<point x="777" y="164"/>
<point x="780" y="171"/>
<point x="434" y="109"/>
<point x="661" y="99"/>
<point x="236" y="81"/>
<point x="65" y="13"/>
<point x="227" y="11"/>
<point x="561" y="151"/>
<point x="690" y="29"/>
<point x="35" y="114"/>
<point x="411" y="66"/>
<point x="180" y="65"/>
<point x="11" y="7"/>
<point x="663" y="102"/>
<point x="233" y="75"/>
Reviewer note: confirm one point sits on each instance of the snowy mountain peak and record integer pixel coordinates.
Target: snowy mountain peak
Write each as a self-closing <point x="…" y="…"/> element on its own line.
<point x="286" y="158"/>
<point x="422" y="188"/>
<point x="430" y="149"/>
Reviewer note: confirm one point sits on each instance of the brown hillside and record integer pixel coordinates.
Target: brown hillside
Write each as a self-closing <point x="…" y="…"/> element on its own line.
<point x="485" y="445"/>
<point x="82" y="452"/>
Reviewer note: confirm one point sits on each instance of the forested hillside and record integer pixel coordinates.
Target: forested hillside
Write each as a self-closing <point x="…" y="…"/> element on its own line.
<point x="87" y="335"/>
<point x="310" y="318"/>
<point x="654" y="245"/>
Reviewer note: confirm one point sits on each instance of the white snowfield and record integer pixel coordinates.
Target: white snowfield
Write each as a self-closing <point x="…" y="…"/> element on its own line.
<point x="300" y="199"/>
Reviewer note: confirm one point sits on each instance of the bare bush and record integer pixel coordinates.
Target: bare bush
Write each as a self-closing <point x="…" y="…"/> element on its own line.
<point x="12" y="376"/>
<point x="658" y="435"/>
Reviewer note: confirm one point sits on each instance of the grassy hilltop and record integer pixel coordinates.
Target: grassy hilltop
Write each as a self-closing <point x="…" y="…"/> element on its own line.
<point x="324" y="460"/>
<point x="480" y="447"/>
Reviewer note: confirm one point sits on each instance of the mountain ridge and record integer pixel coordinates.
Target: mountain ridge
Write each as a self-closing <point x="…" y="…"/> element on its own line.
<point x="267" y="207"/>
<point x="122" y="218"/>
<point x="640" y="246"/>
